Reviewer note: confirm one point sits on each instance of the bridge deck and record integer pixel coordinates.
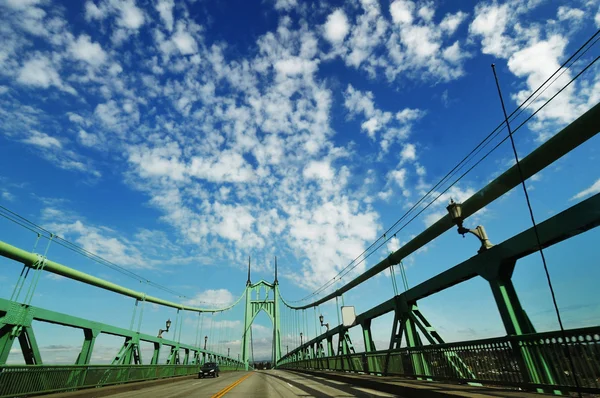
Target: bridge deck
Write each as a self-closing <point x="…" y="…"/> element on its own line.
<point x="280" y="383"/>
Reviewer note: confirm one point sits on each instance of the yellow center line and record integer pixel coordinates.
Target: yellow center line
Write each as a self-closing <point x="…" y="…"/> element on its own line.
<point x="230" y="387"/>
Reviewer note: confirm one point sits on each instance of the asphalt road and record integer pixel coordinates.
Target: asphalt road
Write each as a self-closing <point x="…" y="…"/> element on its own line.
<point x="259" y="384"/>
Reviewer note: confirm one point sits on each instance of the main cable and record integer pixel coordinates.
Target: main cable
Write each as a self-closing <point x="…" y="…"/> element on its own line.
<point x="517" y="112"/>
<point x="537" y="234"/>
<point x="328" y="284"/>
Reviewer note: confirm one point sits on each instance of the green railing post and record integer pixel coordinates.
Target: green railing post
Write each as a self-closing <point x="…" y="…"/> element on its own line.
<point x="372" y="362"/>
<point x="531" y="361"/>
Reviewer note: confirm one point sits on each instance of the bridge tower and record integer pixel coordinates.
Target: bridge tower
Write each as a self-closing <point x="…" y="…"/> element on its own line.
<point x="255" y="302"/>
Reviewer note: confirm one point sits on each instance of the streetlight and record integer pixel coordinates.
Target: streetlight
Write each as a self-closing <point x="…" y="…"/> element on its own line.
<point x="228" y="352"/>
<point x="288" y="348"/>
<point x="160" y="331"/>
<point x="322" y="324"/>
<point x="300" y="338"/>
<point x="205" y="340"/>
<point x="455" y="211"/>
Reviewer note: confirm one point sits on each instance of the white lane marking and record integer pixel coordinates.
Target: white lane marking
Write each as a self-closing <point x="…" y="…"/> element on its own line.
<point x="374" y="392"/>
<point x="289" y="384"/>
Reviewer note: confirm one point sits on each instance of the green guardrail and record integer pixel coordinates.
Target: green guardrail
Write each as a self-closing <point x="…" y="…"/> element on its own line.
<point x="493" y="361"/>
<point x="24" y="380"/>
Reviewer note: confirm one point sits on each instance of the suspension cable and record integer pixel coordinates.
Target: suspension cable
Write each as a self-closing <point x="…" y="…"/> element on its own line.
<point x="537" y="235"/>
<point x="523" y="106"/>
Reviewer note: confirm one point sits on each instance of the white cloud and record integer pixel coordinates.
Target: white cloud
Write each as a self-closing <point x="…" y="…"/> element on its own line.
<point x="109" y="114"/>
<point x="536" y="63"/>
<point x="158" y="162"/>
<point x="393" y="244"/>
<point x="286" y="5"/>
<point x="336" y="27"/>
<point x="97" y="240"/>
<point x="295" y="66"/>
<point x="566" y="13"/>
<point x="229" y="166"/>
<point x="451" y="22"/>
<point x="88" y="139"/>
<point x="490" y="24"/>
<point x="165" y="10"/>
<point x="399" y="177"/>
<point x="184" y="41"/>
<point x="85" y="50"/>
<point x="534" y="51"/>
<point x="408" y="153"/>
<point x="144" y="249"/>
<point x="366" y="34"/>
<point x="402" y="11"/>
<point x="42" y="140"/>
<point x="22" y="4"/>
<point x="591" y="190"/>
<point x="7" y="196"/>
<point x="318" y="170"/>
<point x="597" y="19"/>
<point x="131" y="16"/>
<point x="39" y="71"/>
<point x="362" y="103"/>
<point x="93" y="12"/>
<point x="416" y="42"/>
<point x="212" y="298"/>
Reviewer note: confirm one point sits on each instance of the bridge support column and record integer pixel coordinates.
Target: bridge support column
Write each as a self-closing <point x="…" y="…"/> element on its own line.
<point x="531" y="361"/>
<point x="405" y="324"/>
<point x="16" y="324"/>
<point x="155" y="354"/>
<point x="345" y="349"/>
<point x="129" y="352"/>
<point x="372" y="363"/>
<point x="88" y="346"/>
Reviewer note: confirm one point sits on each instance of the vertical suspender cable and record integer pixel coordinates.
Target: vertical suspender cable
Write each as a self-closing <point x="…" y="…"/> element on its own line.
<point x="537" y="235"/>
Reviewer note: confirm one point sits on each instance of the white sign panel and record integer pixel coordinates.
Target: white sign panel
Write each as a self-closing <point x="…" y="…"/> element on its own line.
<point x="348" y="315"/>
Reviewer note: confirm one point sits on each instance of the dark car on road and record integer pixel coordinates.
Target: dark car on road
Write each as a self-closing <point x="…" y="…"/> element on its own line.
<point x="210" y="369"/>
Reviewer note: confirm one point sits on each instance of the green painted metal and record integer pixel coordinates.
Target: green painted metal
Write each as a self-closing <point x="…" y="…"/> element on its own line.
<point x="266" y="304"/>
<point x="575" y="134"/>
<point x="31" y="259"/>
<point x="17" y="318"/>
<point x="491" y="361"/>
<point x="521" y="348"/>
<point x="24" y="380"/>
<point x="89" y="340"/>
<point x="373" y="365"/>
<point x="530" y="358"/>
<point x="29" y="347"/>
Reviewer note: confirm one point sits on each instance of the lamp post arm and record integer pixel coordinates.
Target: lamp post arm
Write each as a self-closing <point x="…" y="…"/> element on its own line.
<point x="480" y="233"/>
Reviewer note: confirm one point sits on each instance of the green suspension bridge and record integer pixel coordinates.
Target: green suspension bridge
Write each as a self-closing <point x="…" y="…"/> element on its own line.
<point x="560" y="362"/>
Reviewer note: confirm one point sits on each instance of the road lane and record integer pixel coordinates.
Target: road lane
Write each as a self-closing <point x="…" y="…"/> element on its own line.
<point x="257" y="384"/>
<point x="206" y="387"/>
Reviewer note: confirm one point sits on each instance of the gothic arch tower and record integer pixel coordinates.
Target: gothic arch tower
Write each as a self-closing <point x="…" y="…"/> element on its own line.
<point x="256" y="302"/>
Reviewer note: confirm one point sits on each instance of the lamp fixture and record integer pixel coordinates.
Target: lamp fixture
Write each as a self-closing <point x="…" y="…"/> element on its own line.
<point x="161" y="331"/>
<point x="323" y="324"/>
<point x="455" y="211"/>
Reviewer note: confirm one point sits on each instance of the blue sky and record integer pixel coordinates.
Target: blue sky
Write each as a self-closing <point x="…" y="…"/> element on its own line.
<point x="178" y="138"/>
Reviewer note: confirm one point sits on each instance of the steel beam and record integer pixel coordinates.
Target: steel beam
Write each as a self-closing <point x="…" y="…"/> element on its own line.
<point x="30" y="259"/>
<point x="567" y="224"/>
<point x="569" y="138"/>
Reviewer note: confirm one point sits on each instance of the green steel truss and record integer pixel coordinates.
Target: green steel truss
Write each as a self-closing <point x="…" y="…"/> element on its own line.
<point x="268" y="302"/>
<point x="538" y="358"/>
<point x="16" y="324"/>
<point x="521" y="358"/>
